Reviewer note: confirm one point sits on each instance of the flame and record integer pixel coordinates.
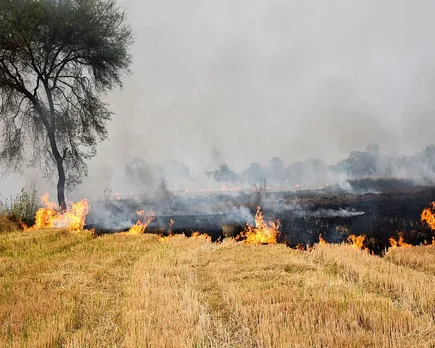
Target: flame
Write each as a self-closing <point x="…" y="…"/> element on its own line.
<point x="357" y="241"/>
<point x="73" y="218"/>
<point x="428" y="215"/>
<point x="400" y="242"/>
<point x="198" y="235"/>
<point x="164" y="238"/>
<point x="321" y="240"/>
<point x="142" y="223"/>
<point x="262" y="233"/>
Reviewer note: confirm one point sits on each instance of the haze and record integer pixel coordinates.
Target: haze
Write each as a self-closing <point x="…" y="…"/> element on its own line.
<point x="242" y="81"/>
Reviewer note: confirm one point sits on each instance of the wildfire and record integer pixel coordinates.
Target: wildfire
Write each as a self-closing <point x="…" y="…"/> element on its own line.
<point x="198" y="235"/>
<point x="357" y="241"/>
<point x="142" y="223"/>
<point x="321" y="240"/>
<point x="400" y="242"/>
<point x="73" y="218"/>
<point x="263" y="232"/>
<point x="428" y="215"/>
<point x="163" y="237"/>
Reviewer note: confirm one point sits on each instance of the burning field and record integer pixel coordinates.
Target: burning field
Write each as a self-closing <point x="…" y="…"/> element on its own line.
<point x="72" y="289"/>
<point x="250" y="278"/>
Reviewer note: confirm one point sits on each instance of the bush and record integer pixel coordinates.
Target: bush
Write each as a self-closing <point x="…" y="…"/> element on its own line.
<point x="21" y="209"/>
<point x="6" y="225"/>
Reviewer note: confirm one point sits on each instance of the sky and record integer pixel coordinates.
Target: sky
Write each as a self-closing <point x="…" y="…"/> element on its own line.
<point x="241" y="81"/>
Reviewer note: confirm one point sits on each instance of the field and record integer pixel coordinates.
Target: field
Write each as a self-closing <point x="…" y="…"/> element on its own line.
<point x="75" y="290"/>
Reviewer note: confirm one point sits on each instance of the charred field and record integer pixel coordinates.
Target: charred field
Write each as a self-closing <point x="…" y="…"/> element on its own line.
<point x="142" y="279"/>
<point x="304" y="215"/>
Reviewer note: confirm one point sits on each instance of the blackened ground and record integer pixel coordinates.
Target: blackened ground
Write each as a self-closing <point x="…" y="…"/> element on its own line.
<point x="385" y="214"/>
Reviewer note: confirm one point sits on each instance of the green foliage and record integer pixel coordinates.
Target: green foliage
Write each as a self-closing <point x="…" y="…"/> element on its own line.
<point x="19" y="209"/>
<point x="57" y="61"/>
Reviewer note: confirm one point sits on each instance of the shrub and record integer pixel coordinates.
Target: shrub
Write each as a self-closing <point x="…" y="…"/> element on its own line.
<point x="21" y="208"/>
<point x="6" y="225"/>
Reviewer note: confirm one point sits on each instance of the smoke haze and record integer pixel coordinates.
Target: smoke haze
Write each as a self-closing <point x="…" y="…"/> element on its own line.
<point x="243" y="81"/>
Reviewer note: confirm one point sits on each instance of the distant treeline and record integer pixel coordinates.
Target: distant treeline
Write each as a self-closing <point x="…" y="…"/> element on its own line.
<point x="370" y="163"/>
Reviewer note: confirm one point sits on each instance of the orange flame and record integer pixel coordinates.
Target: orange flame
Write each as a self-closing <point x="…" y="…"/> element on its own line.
<point x="73" y="218"/>
<point x="428" y="215"/>
<point x="142" y="223"/>
<point x="198" y="235"/>
<point x="321" y="240"/>
<point x="400" y="242"/>
<point x="164" y="238"/>
<point x="357" y="241"/>
<point x="263" y="232"/>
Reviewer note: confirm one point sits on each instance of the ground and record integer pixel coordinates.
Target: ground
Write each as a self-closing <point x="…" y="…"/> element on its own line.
<point x="77" y="290"/>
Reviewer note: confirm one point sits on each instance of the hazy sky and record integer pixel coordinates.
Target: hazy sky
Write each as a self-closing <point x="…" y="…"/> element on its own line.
<point x="239" y="81"/>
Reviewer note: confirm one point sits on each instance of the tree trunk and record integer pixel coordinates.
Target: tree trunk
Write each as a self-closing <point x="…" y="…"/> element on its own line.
<point x="51" y="129"/>
<point x="60" y="171"/>
<point x="61" y="184"/>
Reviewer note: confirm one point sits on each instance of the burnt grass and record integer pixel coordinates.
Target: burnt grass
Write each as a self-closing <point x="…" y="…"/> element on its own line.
<point x="385" y="215"/>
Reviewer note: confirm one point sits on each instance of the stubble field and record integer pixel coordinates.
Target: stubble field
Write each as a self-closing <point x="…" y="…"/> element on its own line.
<point x="59" y="288"/>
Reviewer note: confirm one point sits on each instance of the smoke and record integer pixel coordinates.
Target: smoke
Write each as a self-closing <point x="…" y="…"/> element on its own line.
<point x="243" y="81"/>
<point x="323" y="213"/>
<point x="236" y="82"/>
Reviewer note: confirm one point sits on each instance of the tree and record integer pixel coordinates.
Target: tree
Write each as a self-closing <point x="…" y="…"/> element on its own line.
<point x="254" y="174"/>
<point x="139" y="172"/>
<point x="57" y="60"/>
<point x="360" y="164"/>
<point x="224" y="174"/>
<point x="276" y="170"/>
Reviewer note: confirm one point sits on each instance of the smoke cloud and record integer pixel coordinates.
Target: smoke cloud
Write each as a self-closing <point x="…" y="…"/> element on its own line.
<point x="244" y="81"/>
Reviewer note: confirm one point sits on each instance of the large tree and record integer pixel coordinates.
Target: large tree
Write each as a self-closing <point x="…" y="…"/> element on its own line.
<point x="58" y="58"/>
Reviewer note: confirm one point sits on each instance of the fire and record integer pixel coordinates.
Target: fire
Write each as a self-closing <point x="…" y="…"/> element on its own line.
<point x="321" y="240"/>
<point x="263" y="232"/>
<point x="428" y="215"/>
<point x="142" y="223"/>
<point x="73" y="218"/>
<point x="163" y="237"/>
<point x="357" y="241"/>
<point x="198" y="235"/>
<point x="400" y="242"/>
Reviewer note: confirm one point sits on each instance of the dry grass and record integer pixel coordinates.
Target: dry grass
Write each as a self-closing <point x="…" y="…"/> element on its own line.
<point x="421" y="258"/>
<point x="74" y="290"/>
